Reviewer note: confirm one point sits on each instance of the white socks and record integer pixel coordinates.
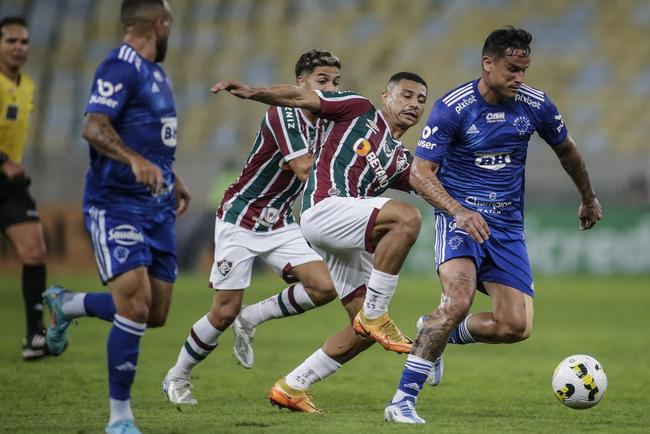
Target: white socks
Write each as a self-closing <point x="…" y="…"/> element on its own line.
<point x="315" y="368"/>
<point x="381" y="288"/>
<point x="199" y="344"/>
<point x="290" y="301"/>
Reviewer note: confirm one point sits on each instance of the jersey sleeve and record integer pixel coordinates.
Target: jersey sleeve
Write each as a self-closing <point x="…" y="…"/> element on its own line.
<point x="551" y="125"/>
<point x="114" y="82"/>
<point x="342" y="105"/>
<point x="438" y="133"/>
<point x="284" y="125"/>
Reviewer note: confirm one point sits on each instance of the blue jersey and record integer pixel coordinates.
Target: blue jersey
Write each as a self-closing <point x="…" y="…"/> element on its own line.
<point x="482" y="148"/>
<point x="136" y="95"/>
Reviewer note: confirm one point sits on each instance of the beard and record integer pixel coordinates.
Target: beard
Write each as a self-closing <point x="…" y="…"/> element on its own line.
<point x="161" y="49"/>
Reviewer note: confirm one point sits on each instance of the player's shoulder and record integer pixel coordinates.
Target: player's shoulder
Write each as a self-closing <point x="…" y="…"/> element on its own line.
<point x="124" y="57"/>
<point x="457" y="99"/>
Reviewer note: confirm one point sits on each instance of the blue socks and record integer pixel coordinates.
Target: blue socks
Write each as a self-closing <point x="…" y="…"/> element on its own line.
<point x="461" y="334"/>
<point x="100" y="305"/>
<point x="123" y="348"/>
<point x="414" y="375"/>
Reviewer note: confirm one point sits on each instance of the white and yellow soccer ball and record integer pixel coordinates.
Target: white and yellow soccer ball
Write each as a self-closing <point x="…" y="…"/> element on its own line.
<point x="579" y="381"/>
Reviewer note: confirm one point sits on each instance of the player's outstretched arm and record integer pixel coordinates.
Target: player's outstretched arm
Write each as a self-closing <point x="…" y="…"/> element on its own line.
<point x="424" y="180"/>
<point x="279" y="95"/>
<point x="590" y="211"/>
<point x="183" y="196"/>
<point x="101" y="135"/>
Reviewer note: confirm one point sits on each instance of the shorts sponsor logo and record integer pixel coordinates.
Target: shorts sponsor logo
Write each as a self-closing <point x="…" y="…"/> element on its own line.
<point x="495" y="117"/>
<point x="494" y="161"/>
<point x="121" y="254"/>
<point x="168" y="131"/>
<point x="521" y="123"/>
<point x="362" y="147"/>
<point x="453" y="227"/>
<point x="455" y="242"/>
<point x="333" y="191"/>
<point x="125" y="235"/>
<point x="531" y="102"/>
<point x="224" y="267"/>
<point x="466" y="102"/>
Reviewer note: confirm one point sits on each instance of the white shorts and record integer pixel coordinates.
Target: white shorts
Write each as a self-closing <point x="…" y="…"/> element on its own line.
<point x="340" y="230"/>
<point x="235" y="248"/>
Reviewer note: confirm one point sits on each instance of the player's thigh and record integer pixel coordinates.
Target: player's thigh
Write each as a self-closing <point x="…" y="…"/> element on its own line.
<point x="395" y="213"/>
<point x="511" y="306"/>
<point x="340" y="224"/>
<point x="289" y="255"/>
<point x="235" y="249"/>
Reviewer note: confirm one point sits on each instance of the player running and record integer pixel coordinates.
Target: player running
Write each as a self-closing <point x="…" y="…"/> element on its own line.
<point x="253" y="220"/>
<point x="469" y="165"/>
<point x="364" y="238"/>
<point x="131" y="198"/>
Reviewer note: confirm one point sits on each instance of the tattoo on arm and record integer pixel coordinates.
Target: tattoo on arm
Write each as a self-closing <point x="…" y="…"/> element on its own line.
<point x="575" y="167"/>
<point x="425" y="182"/>
<point x="104" y="139"/>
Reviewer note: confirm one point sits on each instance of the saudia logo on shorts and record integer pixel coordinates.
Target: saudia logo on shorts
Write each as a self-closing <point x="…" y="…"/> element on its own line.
<point x="125" y="235"/>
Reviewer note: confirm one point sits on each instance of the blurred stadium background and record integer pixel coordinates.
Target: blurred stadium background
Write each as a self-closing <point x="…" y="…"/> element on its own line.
<point x="592" y="57"/>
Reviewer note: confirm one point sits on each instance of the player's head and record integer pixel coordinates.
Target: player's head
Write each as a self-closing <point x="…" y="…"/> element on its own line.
<point x="318" y="70"/>
<point x="506" y="56"/>
<point x="148" y="17"/>
<point x="14" y="43"/>
<point x="404" y="98"/>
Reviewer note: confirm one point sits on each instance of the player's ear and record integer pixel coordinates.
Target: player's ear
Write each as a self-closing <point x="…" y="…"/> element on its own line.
<point x="488" y="63"/>
<point x="300" y="81"/>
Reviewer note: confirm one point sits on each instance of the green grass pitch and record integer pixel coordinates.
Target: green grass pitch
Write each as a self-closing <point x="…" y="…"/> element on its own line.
<point x="485" y="388"/>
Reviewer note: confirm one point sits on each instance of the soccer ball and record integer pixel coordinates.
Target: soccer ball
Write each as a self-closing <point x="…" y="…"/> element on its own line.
<point x="579" y="382"/>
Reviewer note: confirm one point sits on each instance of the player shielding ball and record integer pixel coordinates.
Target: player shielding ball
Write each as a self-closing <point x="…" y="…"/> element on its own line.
<point x="469" y="165"/>
<point x="255" y="219"/>
<point x="363" y="237"/>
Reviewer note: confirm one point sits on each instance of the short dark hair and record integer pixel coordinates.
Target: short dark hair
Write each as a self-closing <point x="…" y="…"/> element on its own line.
<point x="313" y="58"/>
<point x="129" y="12"/>
<point x="503" y="42"/>
<point x="396" y="78"/>
<point x="15" y="19"/>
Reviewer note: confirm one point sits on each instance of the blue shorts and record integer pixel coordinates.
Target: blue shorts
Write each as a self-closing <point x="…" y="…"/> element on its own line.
<point x="124" y="240"/>
<point x="501" y="259"/>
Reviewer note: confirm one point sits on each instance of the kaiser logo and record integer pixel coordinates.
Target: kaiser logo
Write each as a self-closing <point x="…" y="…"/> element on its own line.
<point x="106" y="88"/>
<point x="495" y="117"/>
<point x="224" y="267"/>
<point x="125" y="235"/>
<point x="465" y="103"/>
<point x="362" y="147"/>
<point x="492" y="161"/>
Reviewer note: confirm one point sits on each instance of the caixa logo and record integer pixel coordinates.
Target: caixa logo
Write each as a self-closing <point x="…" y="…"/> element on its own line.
<point x="168" y="131"/>
<point x="125" y="235"/>
<point x="493" y="161"/>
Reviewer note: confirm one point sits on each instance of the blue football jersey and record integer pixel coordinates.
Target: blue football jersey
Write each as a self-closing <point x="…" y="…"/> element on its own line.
<point x="136" y="95"/>
<point x="482" y="147"/>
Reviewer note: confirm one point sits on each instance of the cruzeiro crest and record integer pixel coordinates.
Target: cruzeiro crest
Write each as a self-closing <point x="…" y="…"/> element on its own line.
<point x="521" y="123"/>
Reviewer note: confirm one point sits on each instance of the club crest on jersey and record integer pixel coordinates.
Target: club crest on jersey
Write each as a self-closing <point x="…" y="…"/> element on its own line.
<point x="521" y="123"/>
<point x="402" y="163"/>
<point x="224" y="267"/>
<point x="362" y="147"/>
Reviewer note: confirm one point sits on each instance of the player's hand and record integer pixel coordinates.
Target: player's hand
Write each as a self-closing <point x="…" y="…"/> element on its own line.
<point x="235" y="87"/>
<point x="589" y="213"/>
<point x="147" y="173"/>
<point x="13" y="170"/>
<point x="473" y="223"/>
<point x="183" y="196"/>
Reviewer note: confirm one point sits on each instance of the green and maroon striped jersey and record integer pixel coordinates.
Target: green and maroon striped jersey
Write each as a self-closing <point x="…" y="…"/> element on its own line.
<point x="359" y="157"/>
<point x="261" y="197"/>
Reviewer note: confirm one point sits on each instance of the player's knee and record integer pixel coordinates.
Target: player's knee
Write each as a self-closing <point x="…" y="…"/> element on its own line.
<point x="409" y="222"/>
<point x="32" y="253"/>
<point x="513" y="331"/>
<point x="321" y="292"/>
<point x="156" y="320"/>
<point x="223" y="316"/>
<point x="135" y="311"/>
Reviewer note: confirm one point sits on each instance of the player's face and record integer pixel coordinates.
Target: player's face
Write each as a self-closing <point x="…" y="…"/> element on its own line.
<point x="506" y="74"/>
<point x="406" y="101"/>
<point x="163" y="29"/>
<point x="14" y="43"/>
<point x="325" y="78"/>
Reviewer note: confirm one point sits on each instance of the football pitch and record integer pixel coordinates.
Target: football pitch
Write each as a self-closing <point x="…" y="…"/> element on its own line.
<point x="485" y="388"/>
